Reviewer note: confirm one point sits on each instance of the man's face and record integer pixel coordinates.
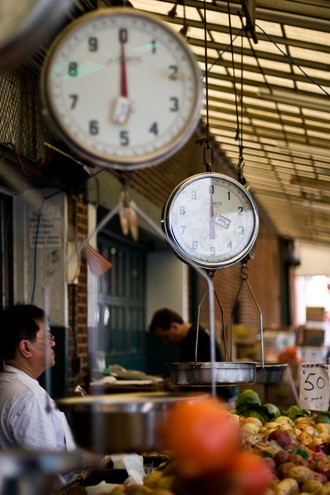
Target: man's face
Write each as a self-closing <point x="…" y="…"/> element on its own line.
<point x="171" y="335"/>
<point x="43" y="347"/>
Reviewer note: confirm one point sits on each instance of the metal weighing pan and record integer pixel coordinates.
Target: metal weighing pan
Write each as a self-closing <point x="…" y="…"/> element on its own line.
<point x="201" y="374"/>
<point x="109" y="424"/>
<point x="270" y="373"/>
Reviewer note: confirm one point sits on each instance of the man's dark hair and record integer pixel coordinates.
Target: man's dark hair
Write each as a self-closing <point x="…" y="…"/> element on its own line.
<point x="18" y="322"/>
<point x="163" y="318"/>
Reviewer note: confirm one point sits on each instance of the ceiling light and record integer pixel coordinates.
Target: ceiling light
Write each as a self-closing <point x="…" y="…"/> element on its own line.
<point x="292" y="98"/>
<point x="312" y="183"/>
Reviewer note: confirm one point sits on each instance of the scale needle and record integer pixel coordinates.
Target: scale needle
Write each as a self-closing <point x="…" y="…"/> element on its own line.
<point x="212" y="224"/>
<point x="122" y="104"/>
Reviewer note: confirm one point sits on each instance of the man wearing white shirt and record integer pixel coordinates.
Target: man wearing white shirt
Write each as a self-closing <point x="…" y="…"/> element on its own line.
<point x="29" y="417"/>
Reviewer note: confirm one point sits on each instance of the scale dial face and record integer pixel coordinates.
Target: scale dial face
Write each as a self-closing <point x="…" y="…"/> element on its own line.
<point x="211" y="221"/>
<point x="122" y="89"/>
<point x="26" y="23"/>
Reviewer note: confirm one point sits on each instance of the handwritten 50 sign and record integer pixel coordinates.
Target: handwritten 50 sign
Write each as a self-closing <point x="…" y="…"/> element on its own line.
<point x="314" y="390"/>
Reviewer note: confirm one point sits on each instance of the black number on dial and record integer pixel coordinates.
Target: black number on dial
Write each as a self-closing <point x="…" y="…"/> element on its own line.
<point x="173" y="72"/>
<point x="175" y="104"/>
<point x="93" y="127"/>
<point x="74" y="99"/>
<point x="154" y="128"/>
<point x="73" y="69"/>
<point x="124" y="138"/>
<point x="93" y="44"/>
<point x="123" y="36"/>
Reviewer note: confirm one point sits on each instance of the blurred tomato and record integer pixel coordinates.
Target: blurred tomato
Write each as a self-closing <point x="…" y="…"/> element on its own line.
<point x="289" y="355"/>
<point x="202" y="434"/>
<point x="253" y="474"/>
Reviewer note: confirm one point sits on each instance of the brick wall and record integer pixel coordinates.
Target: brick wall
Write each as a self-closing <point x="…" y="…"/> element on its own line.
<point x="77" y="296"/>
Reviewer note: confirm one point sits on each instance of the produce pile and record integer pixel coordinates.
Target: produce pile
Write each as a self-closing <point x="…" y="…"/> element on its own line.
<point x="295" y="444"/>
<point x="207" y="457"/>
<point x="255" y="450"/>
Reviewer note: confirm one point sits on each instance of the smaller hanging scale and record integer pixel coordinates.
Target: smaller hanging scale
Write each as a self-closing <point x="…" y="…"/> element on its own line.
<point x="211" y="222"/>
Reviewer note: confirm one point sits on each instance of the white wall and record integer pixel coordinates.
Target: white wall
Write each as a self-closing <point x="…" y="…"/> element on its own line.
<point x="167" y="284"/>
<point x="315" y="259"/>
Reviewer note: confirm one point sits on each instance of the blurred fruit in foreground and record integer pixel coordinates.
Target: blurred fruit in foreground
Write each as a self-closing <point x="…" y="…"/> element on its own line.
<point x="252" y="473"/>
<point x="202" y="433"/>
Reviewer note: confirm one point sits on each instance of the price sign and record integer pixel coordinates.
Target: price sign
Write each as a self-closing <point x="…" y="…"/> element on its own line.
<point x="314" y="393"/>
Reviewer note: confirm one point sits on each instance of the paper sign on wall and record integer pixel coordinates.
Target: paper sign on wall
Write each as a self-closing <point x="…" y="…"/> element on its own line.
<point x="45" y="227"/>
<point x="314" y="393"/>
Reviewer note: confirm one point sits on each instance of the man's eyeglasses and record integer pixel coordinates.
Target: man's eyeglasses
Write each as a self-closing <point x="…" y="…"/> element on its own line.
<point x="48" y="336"/>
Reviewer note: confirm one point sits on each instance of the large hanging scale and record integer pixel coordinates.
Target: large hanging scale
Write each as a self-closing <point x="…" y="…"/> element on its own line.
<point x="121" y="89"/>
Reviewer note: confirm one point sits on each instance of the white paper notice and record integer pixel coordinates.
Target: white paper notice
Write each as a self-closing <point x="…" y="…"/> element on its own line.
<point x="314" y="392"/>
<point x="45" y="227"/>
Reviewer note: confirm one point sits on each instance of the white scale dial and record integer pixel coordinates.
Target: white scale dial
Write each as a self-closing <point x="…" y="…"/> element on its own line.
<point x="211" y="220"/>
<point x="122" y="89"/>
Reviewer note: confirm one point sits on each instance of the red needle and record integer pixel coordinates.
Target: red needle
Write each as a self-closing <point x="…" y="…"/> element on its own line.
<point x="121" y="104"/>
<point x="212" y="226"/>
<point x="123" y="77"/>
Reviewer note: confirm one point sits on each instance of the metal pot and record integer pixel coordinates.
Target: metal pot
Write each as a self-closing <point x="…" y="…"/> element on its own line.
<point x="34" y="473"/>
<point x="120" y="423"/>
<point x="201" y="374"/>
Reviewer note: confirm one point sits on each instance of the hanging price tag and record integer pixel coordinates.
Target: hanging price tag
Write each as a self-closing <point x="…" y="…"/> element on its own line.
<point x="314" y="393"/>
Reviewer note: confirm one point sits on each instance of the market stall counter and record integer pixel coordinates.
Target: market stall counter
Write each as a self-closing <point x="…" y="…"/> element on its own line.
<point x="287" y="452"/>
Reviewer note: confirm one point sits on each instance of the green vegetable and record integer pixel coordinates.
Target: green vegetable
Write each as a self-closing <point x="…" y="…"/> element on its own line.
<point x="273" y="410"/>
<point x="266" y="453"/>
<point x="324" y="417"/>
<point x="248" y="404"/>
<point x="254" y="413"/>
<point x="300" y="452"/>
<point x="245" y="400"/>
<point x="295" y="412"/>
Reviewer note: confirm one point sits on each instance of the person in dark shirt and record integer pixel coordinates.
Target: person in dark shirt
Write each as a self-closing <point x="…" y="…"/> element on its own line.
<point x="172" y="329"/>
